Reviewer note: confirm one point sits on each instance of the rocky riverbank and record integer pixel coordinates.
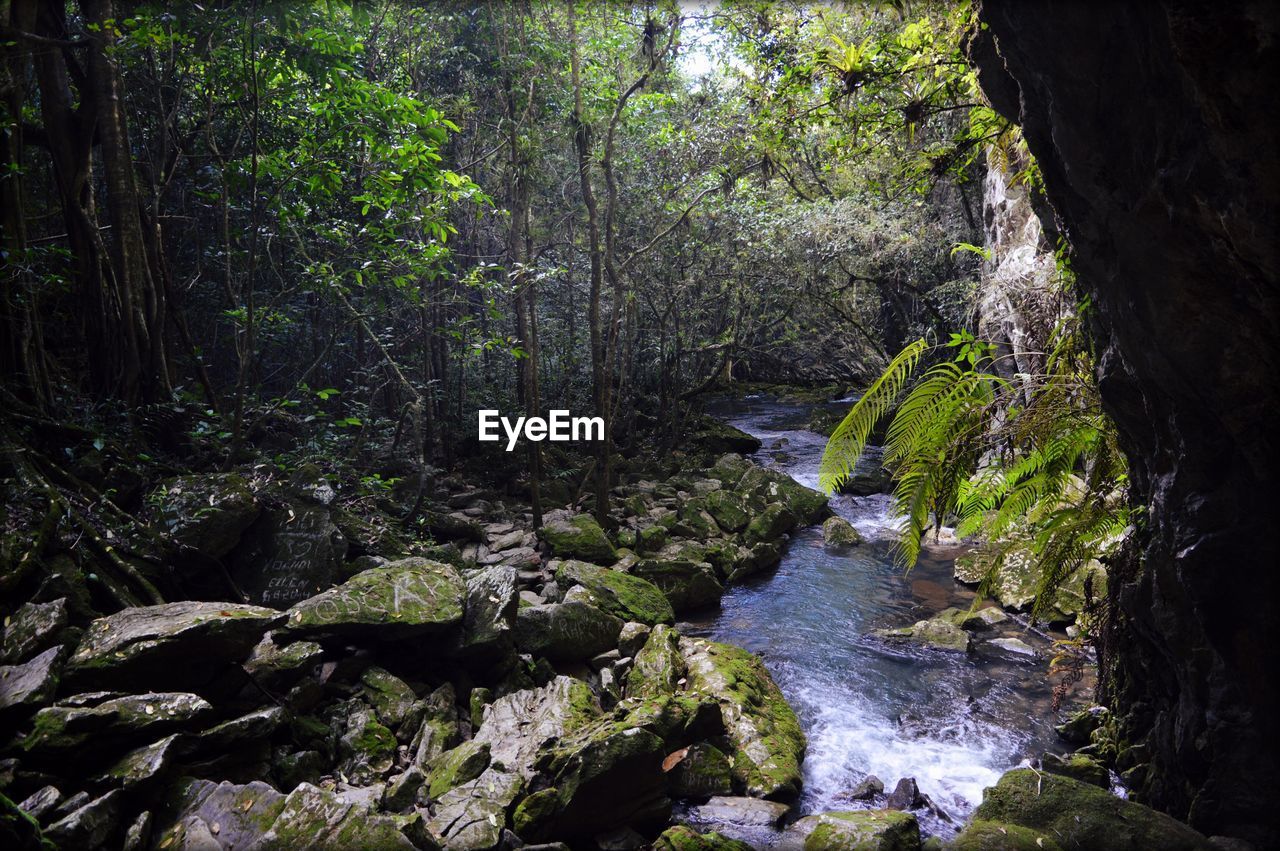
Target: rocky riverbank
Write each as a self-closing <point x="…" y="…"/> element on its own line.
<point x="501" y="687"/>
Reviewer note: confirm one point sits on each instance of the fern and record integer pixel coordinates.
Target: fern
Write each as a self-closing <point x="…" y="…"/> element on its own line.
<point x="1040" y="474"/>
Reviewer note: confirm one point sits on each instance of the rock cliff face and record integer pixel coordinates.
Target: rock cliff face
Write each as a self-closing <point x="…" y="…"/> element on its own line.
<point x="1154" y="128"/>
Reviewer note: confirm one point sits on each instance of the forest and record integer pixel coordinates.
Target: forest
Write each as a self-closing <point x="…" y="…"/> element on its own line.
<point x="697" y="426"/>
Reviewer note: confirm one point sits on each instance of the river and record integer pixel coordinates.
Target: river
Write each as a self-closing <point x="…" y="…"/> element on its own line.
<point x="955" y="723"/>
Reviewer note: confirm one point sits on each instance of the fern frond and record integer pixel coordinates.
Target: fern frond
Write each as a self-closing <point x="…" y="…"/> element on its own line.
<point x="847" y="442"/>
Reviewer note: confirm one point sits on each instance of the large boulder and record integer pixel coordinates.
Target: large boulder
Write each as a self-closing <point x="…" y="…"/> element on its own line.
<point x="407" y="598"/>
<point x="31" y="683"/>
<point x="579" y="536"/>
<point x="769" y="743"/>
<point x="290" y="554"/>
<point x="770" y="524"/>
<point x="473" y="816"/>
<point x="207" y="513"/>
<point x="726" y="508"/>
<point x="684" y="838"/>
<point x="492" y="598"/>
<point x="686" y="584"/>
<point x="760" y="486"/>
<point x="714" y="438"/>
<point x="170" y="645"/>
<point x="859" y="830"/>
<point x="981" y="835"/>
<point x="98" y="720"/>
<point x="838" y="532"/>
<point x="938" y="633"/>
<point x="699" y="771"/>
<point x="658" y="667"/>
<point x="1079" y="815"/>
<point x="518" y="726"/>
<point x="566" y="632"/>
<point x="631" y="598"/>
<point x="1015" y="579"/>
<point x="32" y="628"/>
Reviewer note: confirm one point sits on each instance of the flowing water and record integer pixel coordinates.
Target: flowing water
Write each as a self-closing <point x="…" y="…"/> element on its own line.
<point x="953" y="722"/>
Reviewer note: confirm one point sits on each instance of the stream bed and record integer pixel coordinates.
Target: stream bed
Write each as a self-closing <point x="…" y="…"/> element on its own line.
<point x="953" y="722"/>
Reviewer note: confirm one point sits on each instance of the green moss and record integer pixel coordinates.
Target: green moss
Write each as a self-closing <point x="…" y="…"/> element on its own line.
<point x="375" y="741"/>
<point x="579" y="536"/>
<point x="628" y="597"/>
<point x="994" y="836"/>
<point x="19" y="831"/>
<point x="684" y="838"/>
<point x="1079" y="815"/>
<point x="534" y="812"/>
<point x="453" y="768"/>
<point x="873" y="830"/>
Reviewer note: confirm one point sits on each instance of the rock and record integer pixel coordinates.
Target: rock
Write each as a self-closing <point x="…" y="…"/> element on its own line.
<point x="769" y="742"/>
<point x="31" y="683"/>
<point x="1014" y="645"/>
<point x="749" y="561"/>
<point x="905" y="796"/>
<point x="41" y="802"/>
<point x="761" y="486"/>
<point x="869" y="475"/>
<point x="771" y="524"/>
<point x="745" y="811"/>
<point x="566" y="632"/>
<point x="314" y="818"/>
<point x="32" y="628"/>
<point x="367" y="748"/>
<point x="137" y="837"/>
<point x="1017" y="577"/>
<point x="702" y="771"/>
<point x="112" y="721"/>
<point x="936" y="633"/>
<point x="651" y="538"/>
<point x="290" y="554"/>
<point x="473" y="815"/>
<point x="229" y="737"/>
<point x="193" y="808"/>
<point x="729" y="469"/>
<point x="461" y="765"/>
<point x="1078" y="729"/>
<point x="980" y="835"/>
<point x="979" y="621"/>
<point x="439" y="730"/>
<point x="683" y="838"/>
<point x="143" y="765"/>
<point x="881" y="830"/>
<point x="518" y="725"/>
<point x="412" y="597"/>
<point x="491" y="604"/>
<point x="89" y="826"/>
<point x="402" y="792"/>
<point x="1077" y="766"/>
<point x="454" y="527"/>
<point x="607" y="775"/>
<point x="277" y="667"/>
<point x="1079" y="815"/>
<point x="19" y="831"/>
<point x="838" y="532"/>
<point x="578" y="536"/>
<point x="391" y="697"/>
<point x="867" y="789"/>
<point x="631" y="598"/>
<point x="686" y="584"/>
<point x="207" y="513"/>
<point x="714" y="437"/>
<point x="170" y="645"/>
<point x="726" y="508"/>
<point x="633" y="637"/>
<point x="658" y="667"/>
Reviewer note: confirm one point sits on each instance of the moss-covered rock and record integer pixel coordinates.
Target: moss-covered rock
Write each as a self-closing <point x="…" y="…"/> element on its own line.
<point x="33" y="682"/>
<point x="729" y="469"/>
<point x="471" y="817"/>
<point x="760" y="486"/>
<point x="1079" y="815"/>
<point x="518" y="725"/>
<point x="1079" y="728"/>
<point x="113" y="720"/>
<point x="859" y="830"/>
<point x="534" y="813"/>
<point x="769" y="741"/>
<point x="684" y="838"/>
<point x="207" y="512"/>
<point x="1017" y="577"/>
<point x="144" y="764"/>
<point x="579" y="536"/>
<point x="939" y="633"/>
<point x="489" y="622"/>
<point x="714" y="438"/>
<point x="32" y="628"/>
<point x="367" y="748"/>
<point x="314" y="818"/>
<point x="566" y="632"/>
<point x="981" y="835"/>
<point x="19" y="831"/>
<point x="410" y="597"/>
<point x="651" y="539"/>
<point x="658" y="667"/>
<point x="169" y="645"/>
<point x="631" y="598"/>
<point x="770" y="524"/>
<point x="461" y="765"/>
<point x="1077" y="766"/>
<point x="391" y="697"/>
<point x="726" y="508"/>
<point x="701" y="772"/>
<point x="686" y="584"/>
<point x="838" y="532"/>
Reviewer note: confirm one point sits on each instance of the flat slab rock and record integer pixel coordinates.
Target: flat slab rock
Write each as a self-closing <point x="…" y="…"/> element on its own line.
<point x="33" y="682"/>
<point x="406" y="598"/>
<point x="745" y="811"/>
<point x="33" y="627"/>
<point x="166" y="644"/>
